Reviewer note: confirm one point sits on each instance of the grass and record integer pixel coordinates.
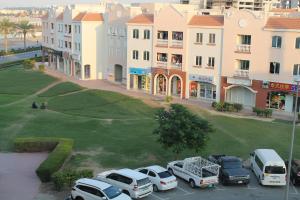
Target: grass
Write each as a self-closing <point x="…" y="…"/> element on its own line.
<point x="112" y="130"/>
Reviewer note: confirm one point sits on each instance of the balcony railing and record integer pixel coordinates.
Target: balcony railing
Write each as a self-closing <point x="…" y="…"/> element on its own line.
<point x="243" y="48"/>
<point x="241" y="74"/>
<point x="177" y="43"/>
<point x="162" y="64"/>
<point x="176" y="65"/>
<point x="162" y="42"/>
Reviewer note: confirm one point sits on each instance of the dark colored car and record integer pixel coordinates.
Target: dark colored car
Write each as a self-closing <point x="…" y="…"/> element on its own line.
<point x="295" y="172"/>
<point x="232" y="170"/>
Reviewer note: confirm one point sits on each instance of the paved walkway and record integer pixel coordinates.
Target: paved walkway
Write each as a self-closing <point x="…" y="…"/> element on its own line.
<point x="158" y="100"/>
<point x="18" y="180"/>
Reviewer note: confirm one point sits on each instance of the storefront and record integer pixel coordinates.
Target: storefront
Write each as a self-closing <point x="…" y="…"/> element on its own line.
<point x="202" y="87"/>
<point x="53" y="56"/>
<point x="140" y="79"/>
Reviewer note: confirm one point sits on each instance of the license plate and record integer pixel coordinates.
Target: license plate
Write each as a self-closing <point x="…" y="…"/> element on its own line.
<point x="239" y="182"/>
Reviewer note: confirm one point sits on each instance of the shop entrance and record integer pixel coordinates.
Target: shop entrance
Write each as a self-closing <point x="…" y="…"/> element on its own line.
<point x="241" y="95"/>
<point x="176" y="86"/>
<point x="161" y="84"/>
<point x="118" y="73"/>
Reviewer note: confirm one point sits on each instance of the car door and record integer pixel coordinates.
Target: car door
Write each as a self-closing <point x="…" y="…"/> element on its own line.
<point x="153" y="178"/>
<point x="178" y="169"/>
<point x="90" y="193"/>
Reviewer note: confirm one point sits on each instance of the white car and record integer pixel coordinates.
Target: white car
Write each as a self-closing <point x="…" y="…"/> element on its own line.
<point x="90" y="189"/>
<point x="135" y="184"/>
<point x="160" y="178"/>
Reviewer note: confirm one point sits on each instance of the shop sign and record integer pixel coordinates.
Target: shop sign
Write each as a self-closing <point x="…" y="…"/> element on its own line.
<point x="201" y="78"/>
<point x="139" y="71"/>
<point x="282" y="86"/>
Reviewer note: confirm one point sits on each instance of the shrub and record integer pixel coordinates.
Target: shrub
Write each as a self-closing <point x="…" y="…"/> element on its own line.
<point x="61" y="149"/>
<point x="263" y="112"/>
<point x="237" y="107"/>
<point x="220" y="106"/>
<point x="214" y="104"/>
<point x="268" y="113"/>
<point x="44" y="106"/>
<point x="29" y="64"/>
<point x="228" y="107"/>
<point x="41" y="67"/>
<point x="67" y="177"/>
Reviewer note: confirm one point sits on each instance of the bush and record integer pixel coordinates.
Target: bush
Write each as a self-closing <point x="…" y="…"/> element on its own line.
<point x="268" y="113"/>
<point x="29" y="64"/>
<point x="237" y="107"/>
<point x="61" y="149"/>
<point x="263" y="112"/>
<point x="44" y="106"/>
<point x="68" y="177"/>
<point x="214" y="104"/>
<point x="220" y="106"/>
<point x="42" y="68"/>
<point x="228" y="107"/>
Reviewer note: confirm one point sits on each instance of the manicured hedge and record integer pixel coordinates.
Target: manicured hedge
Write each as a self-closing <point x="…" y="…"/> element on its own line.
<point x="60" y="149"/>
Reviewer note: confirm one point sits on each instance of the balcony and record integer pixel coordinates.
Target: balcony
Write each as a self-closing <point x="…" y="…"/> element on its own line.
<point x="176" y="65"/>
<point x="243" y="48"/>
<point x="162" y="43"/>
<point x="177" y="43"/>
<point x="241" y="74"/>
<point x="162" y="64"/>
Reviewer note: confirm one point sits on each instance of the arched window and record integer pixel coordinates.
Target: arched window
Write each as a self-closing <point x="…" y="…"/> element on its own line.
<point x="297" y="45"/>
<point x="276" y="41"/>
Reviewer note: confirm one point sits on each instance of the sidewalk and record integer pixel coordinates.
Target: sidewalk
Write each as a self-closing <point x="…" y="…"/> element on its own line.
<point x="158" y="101"/>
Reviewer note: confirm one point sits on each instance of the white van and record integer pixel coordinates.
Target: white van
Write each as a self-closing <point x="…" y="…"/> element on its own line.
<point x="269" y="167"/>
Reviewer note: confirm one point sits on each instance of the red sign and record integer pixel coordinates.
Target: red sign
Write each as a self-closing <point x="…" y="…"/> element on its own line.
<point x="281" y="86"/>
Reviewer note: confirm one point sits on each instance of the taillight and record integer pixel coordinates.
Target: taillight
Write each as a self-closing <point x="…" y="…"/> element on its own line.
<point x="163" y="183"/>
<point x="135" y="188"/>
<point x="298" y="174"/>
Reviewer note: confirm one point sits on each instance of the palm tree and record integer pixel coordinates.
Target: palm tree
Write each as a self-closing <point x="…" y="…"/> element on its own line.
<point x="6" y="27"/>
<point x="24" y="28"/>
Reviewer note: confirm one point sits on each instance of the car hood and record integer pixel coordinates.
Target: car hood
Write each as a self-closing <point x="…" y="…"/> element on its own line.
<point x="122" y="197"/>
<point x="237" y="172"/>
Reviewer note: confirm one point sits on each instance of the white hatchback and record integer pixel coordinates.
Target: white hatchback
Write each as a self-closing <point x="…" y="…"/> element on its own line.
<point x="90" y="189"/>
<point x="160" y="177"/>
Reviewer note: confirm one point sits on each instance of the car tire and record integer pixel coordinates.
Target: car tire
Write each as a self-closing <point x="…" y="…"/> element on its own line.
<point x="192" y="183"/>
<point x="79" y="198"/>
<point x="155" y="188"/>
<point x="171" y="171"/>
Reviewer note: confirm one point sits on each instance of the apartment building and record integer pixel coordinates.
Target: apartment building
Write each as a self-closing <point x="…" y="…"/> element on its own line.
<point x="260" y="58"/>
<point x="258" y="5"/>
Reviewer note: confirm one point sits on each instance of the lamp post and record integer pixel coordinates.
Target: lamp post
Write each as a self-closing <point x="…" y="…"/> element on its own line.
<point x="292" y="141"/>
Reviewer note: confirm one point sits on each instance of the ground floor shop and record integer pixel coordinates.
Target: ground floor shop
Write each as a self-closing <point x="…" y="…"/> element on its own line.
<point x="140" y="79"/>
<point x="262" y="94"/>
<point x="202" y="87"/>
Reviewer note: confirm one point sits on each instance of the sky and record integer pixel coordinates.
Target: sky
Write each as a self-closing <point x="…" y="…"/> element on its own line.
<point x="28" y="3"/>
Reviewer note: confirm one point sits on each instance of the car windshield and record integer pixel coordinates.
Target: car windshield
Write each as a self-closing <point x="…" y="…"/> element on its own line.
<point x="112" y="192"/>
<point x="274" y="170"/>
<point x="164" y="174"/>
<point x="232" y="165"/>
<point x="142" y="182"/>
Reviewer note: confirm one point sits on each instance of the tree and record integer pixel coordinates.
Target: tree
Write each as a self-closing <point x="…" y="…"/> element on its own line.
<point x="24" y="28"/>
<point x="180" y="129"/>
<point x="6" y="27"/>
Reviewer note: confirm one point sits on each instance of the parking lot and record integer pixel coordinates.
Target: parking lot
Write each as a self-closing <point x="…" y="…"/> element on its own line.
<point x="251" y="192"/>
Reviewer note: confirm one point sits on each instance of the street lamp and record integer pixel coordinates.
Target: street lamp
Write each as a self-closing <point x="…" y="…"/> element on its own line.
<point x="297" y="80"/>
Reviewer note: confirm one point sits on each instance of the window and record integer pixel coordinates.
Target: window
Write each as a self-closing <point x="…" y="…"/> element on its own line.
<point x="198" y="60"/>
<point x="259" y="163"/>
<point x="146" y="34"/>
<point x="276" y="41"/>
<point x="199" y="38"/>
<point x="152" y="174"/>
<point x="135" y="55"/>
<point x="144" y="171"/>
<point x="212" y="38"/>
<point x="70" y="29"/>
<point x="66" y="28"/>
<point x="244" y="64"/>
<point x="162" y="35"/>
<point x="79" y="29"/>
<point x="79" y="47"/>
<point x="274" y="67"/>
<point x="244" y="39"/>
<point x="75" y="28"/>
<point x="52" y="40"/>
<point x="297" y="45"/>
<point x="211" y="61"/>
<point x="146" y="55"/>
<point x="90" y="190"/>
<point x="70" y="45"/>
<point x="52" y="26"/>
<point x="87" y="71"/>
<point x="177" y="35"/>
<point x="136" y="33"/>
<point x="179" y="164"/>
<point x="66" y="44"/>
<point x="296" y="71"/>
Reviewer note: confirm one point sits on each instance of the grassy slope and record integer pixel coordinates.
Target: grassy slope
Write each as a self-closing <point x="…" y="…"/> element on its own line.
<point x="126" y="141"/>
<point x="61" y="89"/>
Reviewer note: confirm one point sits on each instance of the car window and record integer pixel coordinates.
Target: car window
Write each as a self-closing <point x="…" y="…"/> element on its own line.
<point x="90" y="190"/>
<point x="151" y="173"/>
<point x="180" y="165"/>
<point x="164" y="174"/>
<point x="125" y="179"/>
<point x="143" y="181"/>
<point x="274" y="170"/>
<point x="112" y="192"/>
<point x="144" y="171"/>
<point x="113" y="176"/>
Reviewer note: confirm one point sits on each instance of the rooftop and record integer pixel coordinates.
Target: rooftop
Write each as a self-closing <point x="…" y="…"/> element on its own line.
<point x="99" y="184"/>
<point x="283" y="23"/>
<point x="207" y="20"/>
<point x="132" y="173"/>
<point x="84" y="16"/>
<point x="60" y="16"/>
<point x="156" y="168"/>
<point x="142" y="19"/>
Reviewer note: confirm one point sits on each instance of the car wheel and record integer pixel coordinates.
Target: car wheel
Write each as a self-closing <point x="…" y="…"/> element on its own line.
<point x="171" y="171"/>
<point x="192" y="183"/>
<point x="155" y="188"/>
<point x="79" y="198"/>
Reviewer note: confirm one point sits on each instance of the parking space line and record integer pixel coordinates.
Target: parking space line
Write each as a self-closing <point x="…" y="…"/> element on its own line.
<point x="185" y="191"/>
<point x="251" y="188"/>
<point x="157" y="197"/>
<point x="218" y="188"/>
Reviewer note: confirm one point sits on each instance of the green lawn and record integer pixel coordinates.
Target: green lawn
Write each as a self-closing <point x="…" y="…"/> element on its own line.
<point x="113" y="130"/>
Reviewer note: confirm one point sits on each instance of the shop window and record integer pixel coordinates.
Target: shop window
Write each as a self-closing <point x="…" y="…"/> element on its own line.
<point x="297" y="45"/>
<point x="276" y="41"/>
<point x="87" y="71"/>
<point x="147" y="34"/>
<point x="177" y="35"/>
<point x="274" y="67"/>
<point x="146" y="55"/>
<point x="162" y="35"/>
<point x="135" y="55"/>
<point x="199" y="38"/>
<point x="207" y="91"/>
<point x="276" y="100"/>
<point x="198" y="61"/>
<point x="212" y="38"/>
<point x="194" y="89"/>
<point x="296" y="71"/>
<point x="135" y="33"/>
<point x="211" y="62"/>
